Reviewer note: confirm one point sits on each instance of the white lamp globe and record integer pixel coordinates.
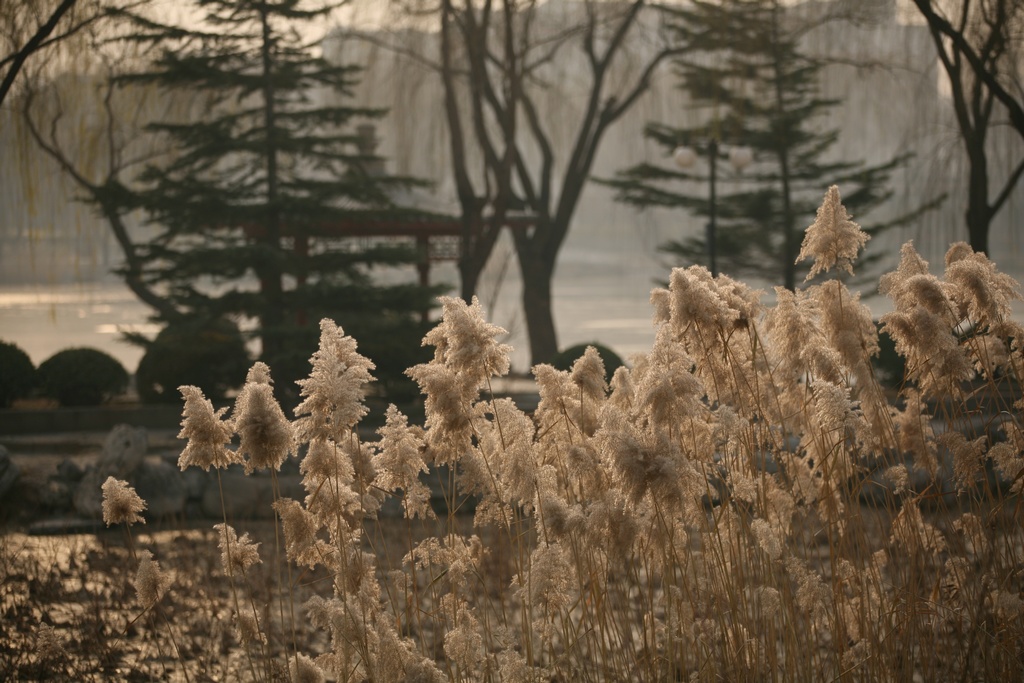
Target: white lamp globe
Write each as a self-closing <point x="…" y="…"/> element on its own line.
<point x="684" y="156"/>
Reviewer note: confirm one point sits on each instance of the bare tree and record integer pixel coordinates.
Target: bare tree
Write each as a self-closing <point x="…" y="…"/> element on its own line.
<point x="511" y="168"/>
<point x="978" y="44"/>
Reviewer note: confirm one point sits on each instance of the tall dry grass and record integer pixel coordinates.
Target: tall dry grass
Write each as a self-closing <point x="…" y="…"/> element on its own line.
<point x="745" y="503"/>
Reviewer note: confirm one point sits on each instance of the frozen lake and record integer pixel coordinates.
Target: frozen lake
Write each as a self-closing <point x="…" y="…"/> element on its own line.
<point x="599" y="295"/>
<point x="45" y="319"/>
<point x="593" y="302"/>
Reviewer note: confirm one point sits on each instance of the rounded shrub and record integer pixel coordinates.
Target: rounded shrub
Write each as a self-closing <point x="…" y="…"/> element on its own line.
<point x="17" y="374"/>
<point x="82" y="377"/>
<point x="208" y="354"/>
<point x="564" y="359"/>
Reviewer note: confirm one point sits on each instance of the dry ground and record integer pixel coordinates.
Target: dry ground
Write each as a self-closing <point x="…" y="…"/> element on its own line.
<point x="68" y="610"/>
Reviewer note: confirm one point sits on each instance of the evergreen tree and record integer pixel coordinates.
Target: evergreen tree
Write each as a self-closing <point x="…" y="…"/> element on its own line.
<point x="248" y="202"/>
<point x="743" y="69"/>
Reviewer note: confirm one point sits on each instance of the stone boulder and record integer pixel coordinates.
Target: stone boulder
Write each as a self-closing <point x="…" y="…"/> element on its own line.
<point x="123" y="451"/>
<point x="158" y="483"/>
<point x="162" y="486"/>
<point x="70" y="471"/>
<point x="55" y="495"/>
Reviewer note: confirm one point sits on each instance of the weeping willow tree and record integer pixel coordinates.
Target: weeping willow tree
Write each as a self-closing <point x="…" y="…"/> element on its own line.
<point x="53" y="50"/>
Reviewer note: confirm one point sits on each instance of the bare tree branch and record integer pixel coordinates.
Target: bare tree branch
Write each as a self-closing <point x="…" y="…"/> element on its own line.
<point x="18" y="59"/>
<point x="982" y="66"/>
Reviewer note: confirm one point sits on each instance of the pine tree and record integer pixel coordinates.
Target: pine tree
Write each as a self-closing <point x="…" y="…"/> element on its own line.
<point x="245" y="202"/>
<point x="744" y="71"/>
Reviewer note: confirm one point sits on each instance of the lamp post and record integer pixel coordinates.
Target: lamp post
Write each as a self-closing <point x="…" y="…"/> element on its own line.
<point x="739" y="159"/>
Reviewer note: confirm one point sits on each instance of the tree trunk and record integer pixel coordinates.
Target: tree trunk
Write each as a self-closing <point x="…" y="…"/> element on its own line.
<point x="979" y="214"/>
<point x="271" y="277"/>
<point x="789" y="244"/>
<point x="540" y="322"/>
<point x="478" y="239"/>
<point x="469" y="277"/>
<point x="470" y="263"/>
